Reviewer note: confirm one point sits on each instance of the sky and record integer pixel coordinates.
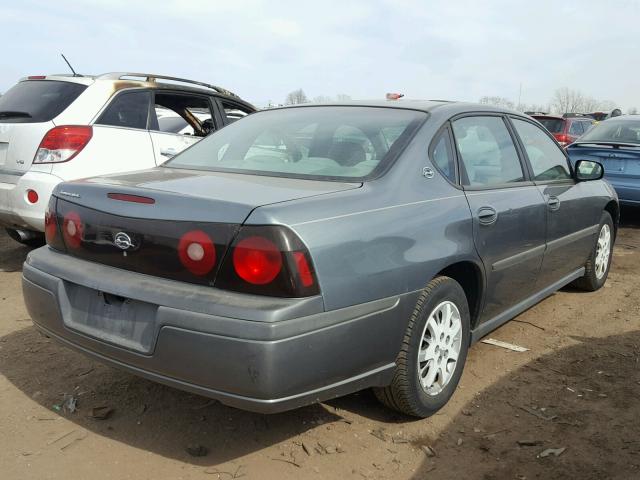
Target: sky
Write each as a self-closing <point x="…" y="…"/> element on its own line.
<point x="262" y="50"/>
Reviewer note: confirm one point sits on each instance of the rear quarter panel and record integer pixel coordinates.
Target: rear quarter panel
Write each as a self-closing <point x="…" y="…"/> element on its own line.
<point x="389" y="237"/>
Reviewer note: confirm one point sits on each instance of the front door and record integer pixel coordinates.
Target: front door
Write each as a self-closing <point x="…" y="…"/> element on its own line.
<point x="508" y="210"/>
<point x="573" y="215"/>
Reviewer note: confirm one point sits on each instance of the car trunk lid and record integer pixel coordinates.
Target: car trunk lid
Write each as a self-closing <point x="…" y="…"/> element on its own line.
<point x="145" y="221"/>
<point x="618" y="160"/>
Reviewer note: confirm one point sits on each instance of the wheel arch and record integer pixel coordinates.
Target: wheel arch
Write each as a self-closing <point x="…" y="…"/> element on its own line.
<point x="614" y="210"/>
<point x="470" y="276"/>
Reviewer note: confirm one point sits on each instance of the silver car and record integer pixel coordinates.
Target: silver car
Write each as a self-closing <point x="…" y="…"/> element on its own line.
<point x="304" y="253"/>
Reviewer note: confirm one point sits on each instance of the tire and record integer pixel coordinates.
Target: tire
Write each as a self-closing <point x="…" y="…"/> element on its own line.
<point x="406" y="394"/>
<point x="595" y="277"/>
<point x="34" y="239"/>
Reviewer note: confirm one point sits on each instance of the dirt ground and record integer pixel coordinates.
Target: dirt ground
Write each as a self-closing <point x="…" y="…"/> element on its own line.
<point x="576" y="389"/>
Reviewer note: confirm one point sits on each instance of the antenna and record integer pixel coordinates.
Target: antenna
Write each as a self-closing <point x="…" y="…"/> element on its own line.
<point x="67" y="62"/>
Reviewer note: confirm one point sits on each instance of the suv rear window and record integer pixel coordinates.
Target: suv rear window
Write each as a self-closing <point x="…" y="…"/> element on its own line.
<point x="35" y="101"/>
<point x="554" y="125"/>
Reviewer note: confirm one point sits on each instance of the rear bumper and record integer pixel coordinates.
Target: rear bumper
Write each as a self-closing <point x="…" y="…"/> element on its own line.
<point x="628" y="190"/>
<point x="15" y="210"/>
<point x="255" y="353"/>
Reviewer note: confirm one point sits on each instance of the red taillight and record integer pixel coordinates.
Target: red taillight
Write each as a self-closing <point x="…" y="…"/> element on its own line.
<point x="32" y="196"/>
<point x="72" y="229"/>
<point x="302" y="264"/>
<point x="257" y="260"/>
<point x="61" y="144"/>
<point x="562" y="138"/>
<point x="36" y="77"/>
<point x="125" y="197"/>
<point x="197" y="252"/>
<point x="50" y="227"/>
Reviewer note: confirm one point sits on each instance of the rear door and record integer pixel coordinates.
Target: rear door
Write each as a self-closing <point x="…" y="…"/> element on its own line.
<point x="120" y="141"/>
<point x="178" y="120"/>
<point x="573" y="213"/>
<point x="508" y="210"/>
<point x="26" y="114"/>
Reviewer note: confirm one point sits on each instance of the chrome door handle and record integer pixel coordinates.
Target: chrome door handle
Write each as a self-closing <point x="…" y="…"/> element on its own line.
<point x="553" y="203"/>
<point x="487" y="215"/>
<point x="168" y="152"/>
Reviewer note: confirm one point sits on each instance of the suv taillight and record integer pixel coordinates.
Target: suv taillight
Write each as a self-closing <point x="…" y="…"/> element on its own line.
<point x="268" y="260"/>
<point x="563" y="139"/>
<point x="61" y="144"/>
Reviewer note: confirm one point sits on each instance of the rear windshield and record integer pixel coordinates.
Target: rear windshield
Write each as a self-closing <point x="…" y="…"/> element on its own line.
<point x="615" y="131"/>
<point x="332" y="142"/>
<point x="554" y="125"/>
<point x="35" y="101"/>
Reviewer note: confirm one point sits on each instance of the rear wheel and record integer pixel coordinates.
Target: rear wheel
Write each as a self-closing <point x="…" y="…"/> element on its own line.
<point x="597" y="266"/>
<point x="433" y="353"/>
<point x="26" y="237"/>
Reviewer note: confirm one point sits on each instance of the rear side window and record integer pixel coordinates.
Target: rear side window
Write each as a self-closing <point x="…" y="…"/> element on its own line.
<point x="442" y="156"/>
<point x="488" y="154"/>
<point x="546" y="158"/>
<point x="576" y="128"/>
<point x="35" y="101"/>
<point x="128" y="110"/>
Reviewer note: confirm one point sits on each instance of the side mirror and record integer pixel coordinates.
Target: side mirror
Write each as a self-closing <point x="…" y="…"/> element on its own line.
<point x="588" y="170"/>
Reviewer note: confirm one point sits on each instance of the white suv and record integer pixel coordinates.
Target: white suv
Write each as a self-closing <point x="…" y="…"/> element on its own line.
<point x="60" y="127"/>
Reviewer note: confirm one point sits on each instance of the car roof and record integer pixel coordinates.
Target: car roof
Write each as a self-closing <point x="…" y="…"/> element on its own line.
<point x="442" y="106"/>
<point x="128" y="80"/>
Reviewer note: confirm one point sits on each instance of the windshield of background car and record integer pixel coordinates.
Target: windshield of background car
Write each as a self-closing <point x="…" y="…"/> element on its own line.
<point x="616" y="131"/>
<point x="554" y="125"/>
<point x="36" y="101"/>
<point x="332" y="142"/>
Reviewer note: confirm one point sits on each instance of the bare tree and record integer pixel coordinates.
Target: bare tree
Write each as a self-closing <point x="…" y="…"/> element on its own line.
<point x="342" y="97"/>
<point x="632" y="111"/>
<point x="322" y="99"/>
<point x="497" y="102"/>
<point x="296" y="97"/>
<point x="566" y="100"/>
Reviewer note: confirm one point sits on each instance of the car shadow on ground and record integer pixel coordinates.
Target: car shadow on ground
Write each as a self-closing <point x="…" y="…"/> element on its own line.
<point x="630" y="217"/>
<point x="580" y="401"/>
<point x="146" y="415"/>
<point x="12" y="254"/>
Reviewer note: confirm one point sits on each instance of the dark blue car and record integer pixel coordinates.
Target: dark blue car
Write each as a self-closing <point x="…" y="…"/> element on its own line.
<point x="616" y="144"/>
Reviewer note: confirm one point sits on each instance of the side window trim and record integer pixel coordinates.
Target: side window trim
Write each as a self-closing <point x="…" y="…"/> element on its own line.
<point x="445" y="130"/>
<point x="239" y="106"/>
<point x="460" y="164"/>
<point x="526" y="157"/>
<point x="112" y="99"/>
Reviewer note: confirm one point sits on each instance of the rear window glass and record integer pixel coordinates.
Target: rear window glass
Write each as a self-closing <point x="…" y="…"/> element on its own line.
<point x="554" y="125"/>
<point x="35" y="101"/>
<point x="615" y="131"/>
<point x="315" y="142"/>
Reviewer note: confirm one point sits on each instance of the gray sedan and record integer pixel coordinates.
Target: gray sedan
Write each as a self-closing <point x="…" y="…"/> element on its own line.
<point x="305" y="253"/>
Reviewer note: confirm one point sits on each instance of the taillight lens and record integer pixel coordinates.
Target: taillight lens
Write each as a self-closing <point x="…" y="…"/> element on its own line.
<point x="72" y="230"/>
<point x="51" y="231"/>
<point x="257" y="260"/>
<point x="268" y="260"/>
<point x="563" y="139"/>
<point x="197" y="252"/>
<point x="62" y="143"/>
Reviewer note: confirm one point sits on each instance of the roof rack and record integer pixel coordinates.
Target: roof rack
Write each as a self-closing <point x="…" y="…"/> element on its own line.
<point x="536" y="113"/>
<point x="573" y="115"/>
<point x="151" y="77"/>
